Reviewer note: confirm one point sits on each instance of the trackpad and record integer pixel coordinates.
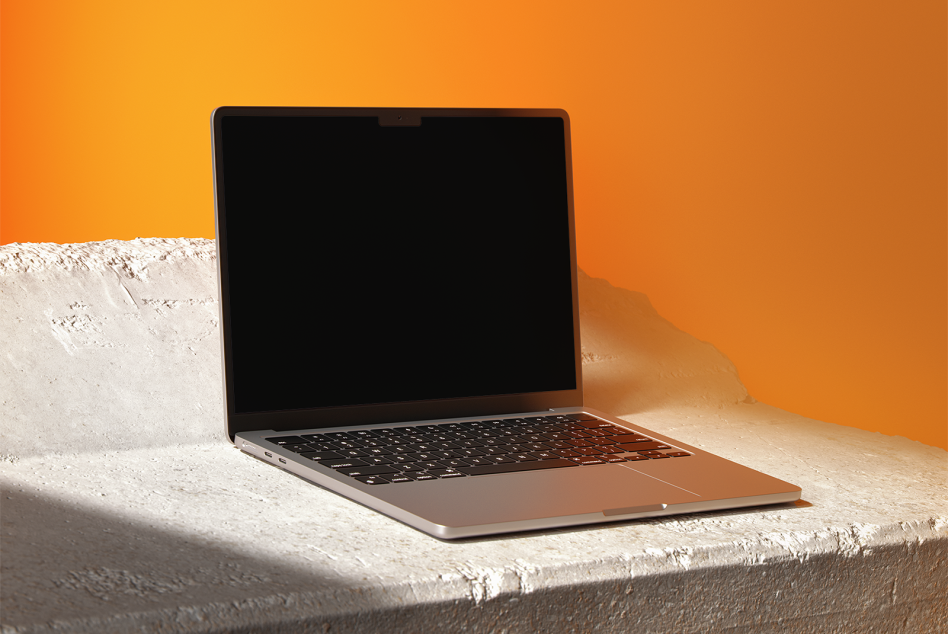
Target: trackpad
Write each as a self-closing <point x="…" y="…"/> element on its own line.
<point x="534" y="494"/>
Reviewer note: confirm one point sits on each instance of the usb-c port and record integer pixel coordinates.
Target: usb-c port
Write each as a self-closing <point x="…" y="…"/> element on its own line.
<point x="282" y="460"/>
<point x="268" y="454"/>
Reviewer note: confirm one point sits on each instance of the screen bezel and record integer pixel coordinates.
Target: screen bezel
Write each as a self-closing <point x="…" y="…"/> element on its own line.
<point x="315" y="418"/>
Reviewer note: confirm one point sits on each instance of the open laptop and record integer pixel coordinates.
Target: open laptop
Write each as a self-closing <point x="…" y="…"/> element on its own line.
<point x="400" y="324"/>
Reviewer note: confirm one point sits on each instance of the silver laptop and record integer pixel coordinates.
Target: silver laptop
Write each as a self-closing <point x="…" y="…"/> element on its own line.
<point x="400" y="324"/>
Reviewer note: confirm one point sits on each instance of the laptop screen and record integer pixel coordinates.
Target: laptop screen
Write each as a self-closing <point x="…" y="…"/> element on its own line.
<point x="376" y="264"/>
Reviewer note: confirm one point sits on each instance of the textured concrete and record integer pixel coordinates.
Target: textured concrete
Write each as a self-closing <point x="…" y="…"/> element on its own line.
<point x="123" y="509"/>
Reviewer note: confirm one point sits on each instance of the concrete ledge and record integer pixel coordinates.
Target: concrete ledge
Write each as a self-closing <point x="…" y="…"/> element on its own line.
<point x="110" y="524"/>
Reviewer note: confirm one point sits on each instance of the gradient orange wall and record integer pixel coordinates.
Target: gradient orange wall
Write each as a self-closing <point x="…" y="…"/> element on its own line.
<point x="772" y="175"/>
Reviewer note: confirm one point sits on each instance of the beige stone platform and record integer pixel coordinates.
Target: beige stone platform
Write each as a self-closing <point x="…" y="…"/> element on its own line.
<point x="124" y="509"/>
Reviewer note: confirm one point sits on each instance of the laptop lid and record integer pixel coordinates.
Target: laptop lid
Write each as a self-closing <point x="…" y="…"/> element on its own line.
<point x="386" y="265"/>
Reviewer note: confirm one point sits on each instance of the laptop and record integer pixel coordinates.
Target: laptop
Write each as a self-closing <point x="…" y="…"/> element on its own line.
<point x="400" y="324"/>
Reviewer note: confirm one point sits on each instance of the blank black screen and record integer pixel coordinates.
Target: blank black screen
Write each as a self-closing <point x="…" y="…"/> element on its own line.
<point x="370" y="264"/>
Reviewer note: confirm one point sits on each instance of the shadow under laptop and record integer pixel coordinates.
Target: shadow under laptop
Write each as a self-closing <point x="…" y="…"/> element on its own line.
<point x="65" y="561"/>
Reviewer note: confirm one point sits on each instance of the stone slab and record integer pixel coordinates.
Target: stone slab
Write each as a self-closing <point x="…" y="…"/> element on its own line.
<point x="110" y="526"/>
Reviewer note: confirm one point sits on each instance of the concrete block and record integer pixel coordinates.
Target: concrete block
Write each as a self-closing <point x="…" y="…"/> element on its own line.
<point x="124" y="509"/>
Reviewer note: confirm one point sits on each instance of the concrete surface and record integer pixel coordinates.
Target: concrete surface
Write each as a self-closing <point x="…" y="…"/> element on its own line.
<point x="123" y="508"/>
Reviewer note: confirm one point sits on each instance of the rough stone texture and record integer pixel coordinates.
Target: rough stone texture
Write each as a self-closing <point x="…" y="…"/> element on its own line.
<point x="109" y="344"/>
<point x="123" y="508"/>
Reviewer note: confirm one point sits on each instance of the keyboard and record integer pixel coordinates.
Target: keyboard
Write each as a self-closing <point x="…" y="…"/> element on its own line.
<point x="475" y="448"/>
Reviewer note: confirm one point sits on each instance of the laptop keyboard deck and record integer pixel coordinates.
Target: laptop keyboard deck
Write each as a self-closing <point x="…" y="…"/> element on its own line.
<point x="473" y="448"/>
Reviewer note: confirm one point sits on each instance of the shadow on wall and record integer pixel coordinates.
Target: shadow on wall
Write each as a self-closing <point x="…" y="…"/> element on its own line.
<point x="636" y="361"/>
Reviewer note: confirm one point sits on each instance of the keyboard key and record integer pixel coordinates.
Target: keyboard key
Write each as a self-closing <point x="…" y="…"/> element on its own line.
<point x="602" y="441"/>
<point x="611" y="457"/>
<point x="286" y="440"/>
<point x="371" y="480"/>
<point x="448" y="473"/>
<point x="351" y="444"/>
<point x="423" y="456"/>
<point x="566" y="453"/>
<point x="319" y="456"/>
<point x="368" y="470"/>
<point x="634" y="457"/>
<point x="587" y="460"/>
<point x="588" y="451"/>
<point x="323" y="446"/>
<point x="557" y="435"/>
<point x="678" y="454"/>
<point x="522" y="457"/>
<point x="298" y="448"/>
<point x="544" y="455"/>
<point x="454" y="462"/>
<point x="627" y="438"/>
<point x="517" y="466"/>
<point x="344" y="463"/>
<point x="642" y="446"/>
<point x="593" y="424"/>
<point x="425" y="476"/>
<point x="651" y="453"/>
<point x="397" y="477"/>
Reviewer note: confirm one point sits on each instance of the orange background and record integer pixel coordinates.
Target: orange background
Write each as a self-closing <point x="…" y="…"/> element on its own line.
<point x="771" y="175"/>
